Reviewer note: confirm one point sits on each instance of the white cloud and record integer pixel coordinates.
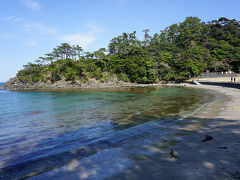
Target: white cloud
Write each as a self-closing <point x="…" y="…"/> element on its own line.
<point x="13" y="18"/>
<point x="33" y="29"/>
<point x="82" y="39"/>
<point x="93" y="28"/>
<point x="30" y="42"/>
<point x="40" y="27"/>
<point x="32" y="26"/>
<point x="8" y="36"/>
<point x="31" y="4"/>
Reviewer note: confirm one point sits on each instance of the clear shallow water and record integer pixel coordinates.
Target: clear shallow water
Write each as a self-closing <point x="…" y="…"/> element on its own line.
<point x="39" y="124"/>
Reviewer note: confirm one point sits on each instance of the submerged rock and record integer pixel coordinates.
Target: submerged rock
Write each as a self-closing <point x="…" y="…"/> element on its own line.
<point x="207" y="138"/>
<point x="172" y="154"/>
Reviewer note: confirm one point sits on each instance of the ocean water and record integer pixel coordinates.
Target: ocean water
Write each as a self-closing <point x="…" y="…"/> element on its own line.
<point x="35" y="125"/>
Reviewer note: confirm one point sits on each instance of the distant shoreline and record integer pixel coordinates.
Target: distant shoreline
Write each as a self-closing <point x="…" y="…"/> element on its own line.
<point x="14" y="84"/>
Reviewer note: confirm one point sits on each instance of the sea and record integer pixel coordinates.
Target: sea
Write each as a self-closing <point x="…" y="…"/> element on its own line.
<point x="42" y="126"/>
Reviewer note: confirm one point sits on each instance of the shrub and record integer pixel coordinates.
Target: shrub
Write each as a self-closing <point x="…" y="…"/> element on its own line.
<point x="123" y="77"/>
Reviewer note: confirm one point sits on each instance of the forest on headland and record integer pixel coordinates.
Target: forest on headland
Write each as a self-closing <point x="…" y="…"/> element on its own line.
<point x="177" y="53"/>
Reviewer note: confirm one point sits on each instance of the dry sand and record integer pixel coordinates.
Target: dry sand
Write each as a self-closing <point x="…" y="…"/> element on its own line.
<point x="218" y="158"/>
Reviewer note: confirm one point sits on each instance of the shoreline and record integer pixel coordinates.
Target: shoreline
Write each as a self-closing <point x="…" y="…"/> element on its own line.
<point x="69" y="87"/>
<point x="114" y="85"/>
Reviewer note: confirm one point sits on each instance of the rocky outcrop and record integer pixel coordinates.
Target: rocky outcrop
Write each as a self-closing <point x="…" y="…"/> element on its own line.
<point x="15" y="84"/>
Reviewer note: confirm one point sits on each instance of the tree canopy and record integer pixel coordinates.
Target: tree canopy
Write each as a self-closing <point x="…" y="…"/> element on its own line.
<point x="178" y="52"/>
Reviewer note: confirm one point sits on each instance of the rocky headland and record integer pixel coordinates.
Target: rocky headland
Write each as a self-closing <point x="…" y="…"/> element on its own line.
<point x="16" y="84"/>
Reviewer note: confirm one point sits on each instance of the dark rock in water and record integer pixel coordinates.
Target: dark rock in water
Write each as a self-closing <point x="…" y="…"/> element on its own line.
<point x="207" y="138"/>
<point x="223" y="147"/>
<point x="172" y="153"/>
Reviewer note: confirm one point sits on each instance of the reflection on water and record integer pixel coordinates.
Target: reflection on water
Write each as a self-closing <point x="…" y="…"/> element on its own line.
<point x="38" y="124"/>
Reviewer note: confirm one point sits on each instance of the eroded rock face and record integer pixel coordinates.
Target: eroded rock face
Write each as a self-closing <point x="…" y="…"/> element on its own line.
<point x="12" y="83"/>
<point x="16" y="84"/>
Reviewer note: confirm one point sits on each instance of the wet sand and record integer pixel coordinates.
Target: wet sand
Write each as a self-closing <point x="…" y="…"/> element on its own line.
<point x="218" y="158"/>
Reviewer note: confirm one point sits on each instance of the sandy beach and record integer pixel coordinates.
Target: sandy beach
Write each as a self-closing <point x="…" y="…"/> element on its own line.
<point x="217" y="158"/>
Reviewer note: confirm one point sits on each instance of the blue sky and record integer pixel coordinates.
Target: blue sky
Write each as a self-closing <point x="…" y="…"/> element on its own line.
<point x="32" y="28"/>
